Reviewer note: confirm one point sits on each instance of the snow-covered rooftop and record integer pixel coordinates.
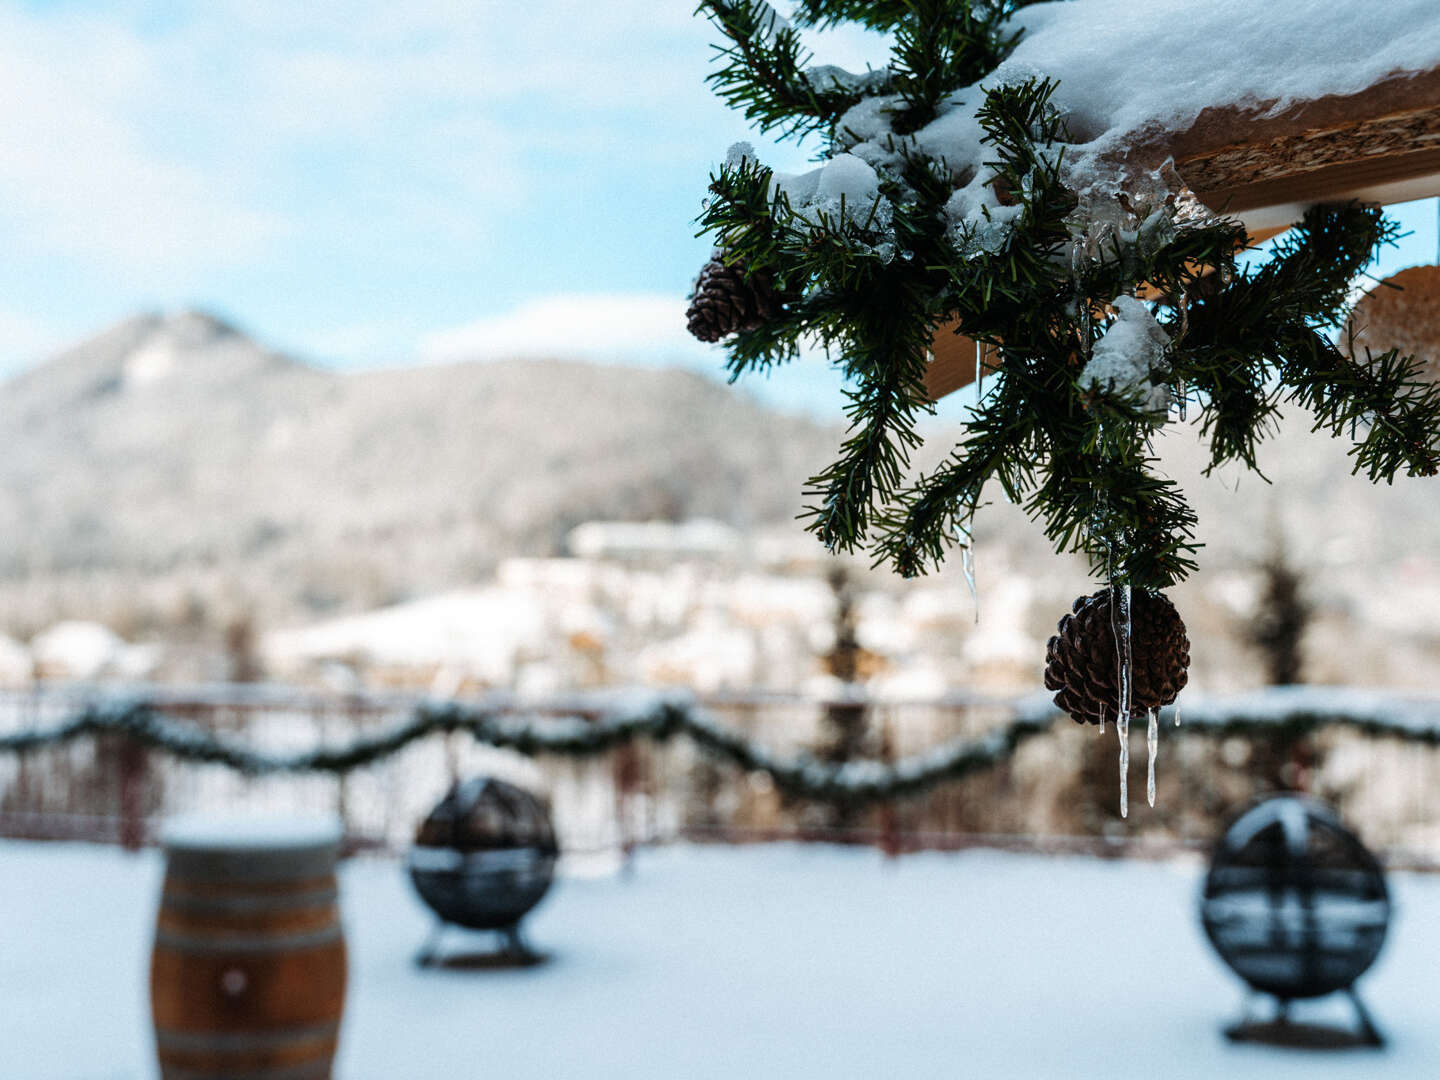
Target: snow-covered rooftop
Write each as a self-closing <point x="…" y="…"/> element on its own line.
<point x="1136" y="74"/>
<point x="1126" y="68"/>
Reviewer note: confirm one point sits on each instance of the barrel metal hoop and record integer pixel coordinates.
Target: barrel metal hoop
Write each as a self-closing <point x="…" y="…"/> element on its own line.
<point x="247" y="943"/>
<point x="248" y="904"/>
<point x="240" y="1042"/>
<point x="236" y="866"/>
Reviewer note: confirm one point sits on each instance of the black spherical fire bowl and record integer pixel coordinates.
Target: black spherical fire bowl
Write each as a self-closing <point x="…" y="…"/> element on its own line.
<point x="1295" y="904"/>
<point x="484" y="857"/>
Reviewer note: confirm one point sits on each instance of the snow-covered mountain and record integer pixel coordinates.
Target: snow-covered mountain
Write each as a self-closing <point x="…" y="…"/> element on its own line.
<point x="176" y="447"/>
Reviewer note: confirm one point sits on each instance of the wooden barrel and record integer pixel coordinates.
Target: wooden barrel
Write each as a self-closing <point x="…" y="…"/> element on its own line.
<point x="247" y="977"/>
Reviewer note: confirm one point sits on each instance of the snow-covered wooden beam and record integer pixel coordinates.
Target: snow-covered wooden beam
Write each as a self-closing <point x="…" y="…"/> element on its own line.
<point x="1380" y="145"/>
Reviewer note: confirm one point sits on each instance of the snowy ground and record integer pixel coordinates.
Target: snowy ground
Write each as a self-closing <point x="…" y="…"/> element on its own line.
<point x="785" y="962"/>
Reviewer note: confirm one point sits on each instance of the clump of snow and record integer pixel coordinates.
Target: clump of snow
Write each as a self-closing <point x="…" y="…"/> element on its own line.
<point x="772" y="23"/>
<point x="868" y="119"/>
<point x="83" y="650"/>
<point x="845" y="181"/>
<point x="1126" y="358"/>
<point x="1179" y="58"/>
<point x="846" y="176"/>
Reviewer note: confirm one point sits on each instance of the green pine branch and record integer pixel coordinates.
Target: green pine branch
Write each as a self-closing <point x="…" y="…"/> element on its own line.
<point x="763" y="72"/>
<point x="1039" y="279"/>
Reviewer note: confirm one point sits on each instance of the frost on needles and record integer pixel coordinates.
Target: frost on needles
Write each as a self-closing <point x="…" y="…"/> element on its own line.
<point x="951" y="189"/>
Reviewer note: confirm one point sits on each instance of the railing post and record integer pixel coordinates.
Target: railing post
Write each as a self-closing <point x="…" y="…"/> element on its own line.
<point x="134" y="764"/>
<point x="625" y="776"/>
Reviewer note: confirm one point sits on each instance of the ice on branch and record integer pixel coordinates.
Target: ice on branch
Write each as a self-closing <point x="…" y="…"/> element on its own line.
<point x="1127" y="359"/>
<point x="739" y="154"/>
<point x="979" y="222"/>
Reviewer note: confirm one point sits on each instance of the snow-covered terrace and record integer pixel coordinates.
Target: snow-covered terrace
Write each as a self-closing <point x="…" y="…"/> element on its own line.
<point x="756" y="962"/>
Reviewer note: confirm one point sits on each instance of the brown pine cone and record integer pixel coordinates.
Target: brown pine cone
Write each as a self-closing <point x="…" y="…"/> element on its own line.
<point x="1080" y="659"/>
<point x="726" y="300"/>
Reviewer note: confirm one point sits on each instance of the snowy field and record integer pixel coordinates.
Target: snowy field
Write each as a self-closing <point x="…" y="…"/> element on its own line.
<point x="785" y="962"/>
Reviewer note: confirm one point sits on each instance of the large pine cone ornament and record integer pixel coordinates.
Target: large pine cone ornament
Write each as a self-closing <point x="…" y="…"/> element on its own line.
<point x="1080" y="661"/>
<point x="726" y="300"/>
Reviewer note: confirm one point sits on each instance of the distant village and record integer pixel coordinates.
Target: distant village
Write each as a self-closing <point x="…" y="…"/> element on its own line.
<point x="695" y="604"/>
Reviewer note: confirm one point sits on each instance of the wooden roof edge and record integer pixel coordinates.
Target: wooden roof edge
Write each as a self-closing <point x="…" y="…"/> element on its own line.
<point x="1219" y="127"/>
<point x="1378" y="145"/>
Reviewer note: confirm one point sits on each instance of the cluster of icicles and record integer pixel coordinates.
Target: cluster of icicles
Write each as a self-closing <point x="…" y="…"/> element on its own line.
<point x="1120" y="623"/>
<point x="1120" y="613"/>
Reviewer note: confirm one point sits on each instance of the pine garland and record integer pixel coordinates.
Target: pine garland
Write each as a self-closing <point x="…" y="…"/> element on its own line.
<point x="1287" y="712"/>
<point x="1041" y="272"/>
<point x="802" y="775"/>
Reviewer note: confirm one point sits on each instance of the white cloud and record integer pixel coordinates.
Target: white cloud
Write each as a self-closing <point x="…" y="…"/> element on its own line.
<point x="270" y="155"/>
<point x="79" y="176"/>
<point x="634" y="327"/>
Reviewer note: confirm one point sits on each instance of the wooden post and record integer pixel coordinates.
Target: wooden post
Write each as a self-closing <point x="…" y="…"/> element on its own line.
<point x="891" y="842"/>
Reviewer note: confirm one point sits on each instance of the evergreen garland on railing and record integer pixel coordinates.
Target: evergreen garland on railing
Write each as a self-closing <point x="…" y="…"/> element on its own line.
<point x="1288" y="711"/>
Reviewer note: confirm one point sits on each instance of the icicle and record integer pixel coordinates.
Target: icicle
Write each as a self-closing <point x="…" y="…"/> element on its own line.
<point x="1082" y="306"/>
<point x="1122" y="728"/>
<point x="1122" y="645"/>
<point x="1121" y="598"/>
<point x="1177" y="714"/>
<point x="967" y="567"/>
<point x="1102" y="719"/>
<point x="979" y="373"/>
<point x="1183" y="318"/>
<point x="1152" y="746"/>
<point x="965" y="539"/>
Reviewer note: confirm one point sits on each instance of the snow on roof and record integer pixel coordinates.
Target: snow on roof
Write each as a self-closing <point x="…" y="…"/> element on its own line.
<point x="1129" y="72"/>
<point x="480" y="629"/>
<point x="1125" y="68"/>
<point x="81" y="650"/>
<point x="609" y="539"/>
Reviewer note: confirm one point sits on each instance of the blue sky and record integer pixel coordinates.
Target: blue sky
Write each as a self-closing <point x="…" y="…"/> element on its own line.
<point x="367" y="182"/>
